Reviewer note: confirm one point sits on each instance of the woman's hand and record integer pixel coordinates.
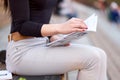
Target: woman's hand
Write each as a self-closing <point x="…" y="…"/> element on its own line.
<point x="72" y="25"/>
<point x="55" y="37"/>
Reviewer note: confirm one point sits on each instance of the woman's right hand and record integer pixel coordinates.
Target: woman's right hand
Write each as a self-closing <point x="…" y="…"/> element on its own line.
<point x="72" y="25"/>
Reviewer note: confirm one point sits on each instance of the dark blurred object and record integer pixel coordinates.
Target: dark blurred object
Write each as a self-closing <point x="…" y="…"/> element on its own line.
<point x="69" y="16"/>
<point x="2" y="56"/>
<point x="101" y="4"/>
<point x="43" y="77"/>
<point x="58" y="8"/>
<point x="91" y="2"/>
<point x="87" y="2"/>
<point x="113" y="12"/>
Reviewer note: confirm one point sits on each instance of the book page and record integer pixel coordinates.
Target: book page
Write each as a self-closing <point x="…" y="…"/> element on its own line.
<point x="91" y="22"/>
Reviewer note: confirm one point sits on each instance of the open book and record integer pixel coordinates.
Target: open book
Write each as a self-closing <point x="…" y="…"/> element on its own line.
<point x="91" y="22"/>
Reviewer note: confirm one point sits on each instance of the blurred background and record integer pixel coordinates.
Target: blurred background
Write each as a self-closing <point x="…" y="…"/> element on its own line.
<point x="4" y="18"/>
<point x="107" y="36"/>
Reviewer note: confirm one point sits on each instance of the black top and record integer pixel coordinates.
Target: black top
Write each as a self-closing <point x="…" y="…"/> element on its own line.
<point x="28" y="16"/>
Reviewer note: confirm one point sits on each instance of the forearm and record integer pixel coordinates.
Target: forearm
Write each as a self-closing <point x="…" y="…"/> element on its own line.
<point x="72" y="25"/>
<point x="49" y="29"/>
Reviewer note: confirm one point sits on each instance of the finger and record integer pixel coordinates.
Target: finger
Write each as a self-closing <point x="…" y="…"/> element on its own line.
<point x="81" y="26"/>
<point x="80" y="23"/>
<point x="78" y="30"/>
<point x="77" y="19"/>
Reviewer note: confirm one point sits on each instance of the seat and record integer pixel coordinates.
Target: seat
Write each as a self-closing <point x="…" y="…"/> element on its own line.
<point x="42" y="77"/>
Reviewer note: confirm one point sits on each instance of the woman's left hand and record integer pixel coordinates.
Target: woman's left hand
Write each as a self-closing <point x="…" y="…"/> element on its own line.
<point x="56" y="37"/>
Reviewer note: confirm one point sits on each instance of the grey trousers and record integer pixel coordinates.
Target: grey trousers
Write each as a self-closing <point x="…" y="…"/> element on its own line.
<point x="31" y="57"/>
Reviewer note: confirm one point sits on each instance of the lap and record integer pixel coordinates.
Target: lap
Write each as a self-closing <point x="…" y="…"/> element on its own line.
<point x="44" y="57"/>
<point x="51" y="60"/>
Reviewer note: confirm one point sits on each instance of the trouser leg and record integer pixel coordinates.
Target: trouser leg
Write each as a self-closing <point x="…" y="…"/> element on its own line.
<point x="103" y="68"/>
<point x="96" y="69"/>
<point x="59" y="60"/>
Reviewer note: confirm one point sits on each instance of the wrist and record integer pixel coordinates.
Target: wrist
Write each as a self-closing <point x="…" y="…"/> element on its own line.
<point x="50" y="29"/>
<point x="55" y="28"/>
<point x="58" y="28"/>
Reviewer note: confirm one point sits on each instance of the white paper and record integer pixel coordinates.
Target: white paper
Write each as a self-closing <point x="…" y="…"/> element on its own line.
<point x="91" y="22"/>
<point x="4" y="74"/>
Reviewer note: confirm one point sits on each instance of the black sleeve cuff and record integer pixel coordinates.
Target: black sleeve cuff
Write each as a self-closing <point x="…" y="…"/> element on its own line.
<point x="31" y="29"/>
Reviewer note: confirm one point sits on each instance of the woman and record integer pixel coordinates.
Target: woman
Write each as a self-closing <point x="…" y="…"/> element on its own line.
<point x="26" y="51"/>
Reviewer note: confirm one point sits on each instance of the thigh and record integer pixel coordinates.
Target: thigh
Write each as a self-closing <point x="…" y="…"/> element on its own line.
<point x="54" y="60"/>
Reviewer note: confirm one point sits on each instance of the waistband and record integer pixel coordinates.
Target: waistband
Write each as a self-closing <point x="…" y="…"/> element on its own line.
<point x="16" y="36"/>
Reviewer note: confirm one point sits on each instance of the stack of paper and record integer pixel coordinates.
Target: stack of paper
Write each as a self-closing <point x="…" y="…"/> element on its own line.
<point x="5" y="75"/>
<point x="91" y="22"/>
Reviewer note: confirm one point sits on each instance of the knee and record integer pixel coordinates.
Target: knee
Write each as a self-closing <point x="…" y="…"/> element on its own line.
<point x="98" y="57"/>
<point x="101" y="53"/>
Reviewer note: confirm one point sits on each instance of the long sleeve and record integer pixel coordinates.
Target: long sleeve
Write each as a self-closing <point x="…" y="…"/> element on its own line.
<point x="20" y="12"/>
